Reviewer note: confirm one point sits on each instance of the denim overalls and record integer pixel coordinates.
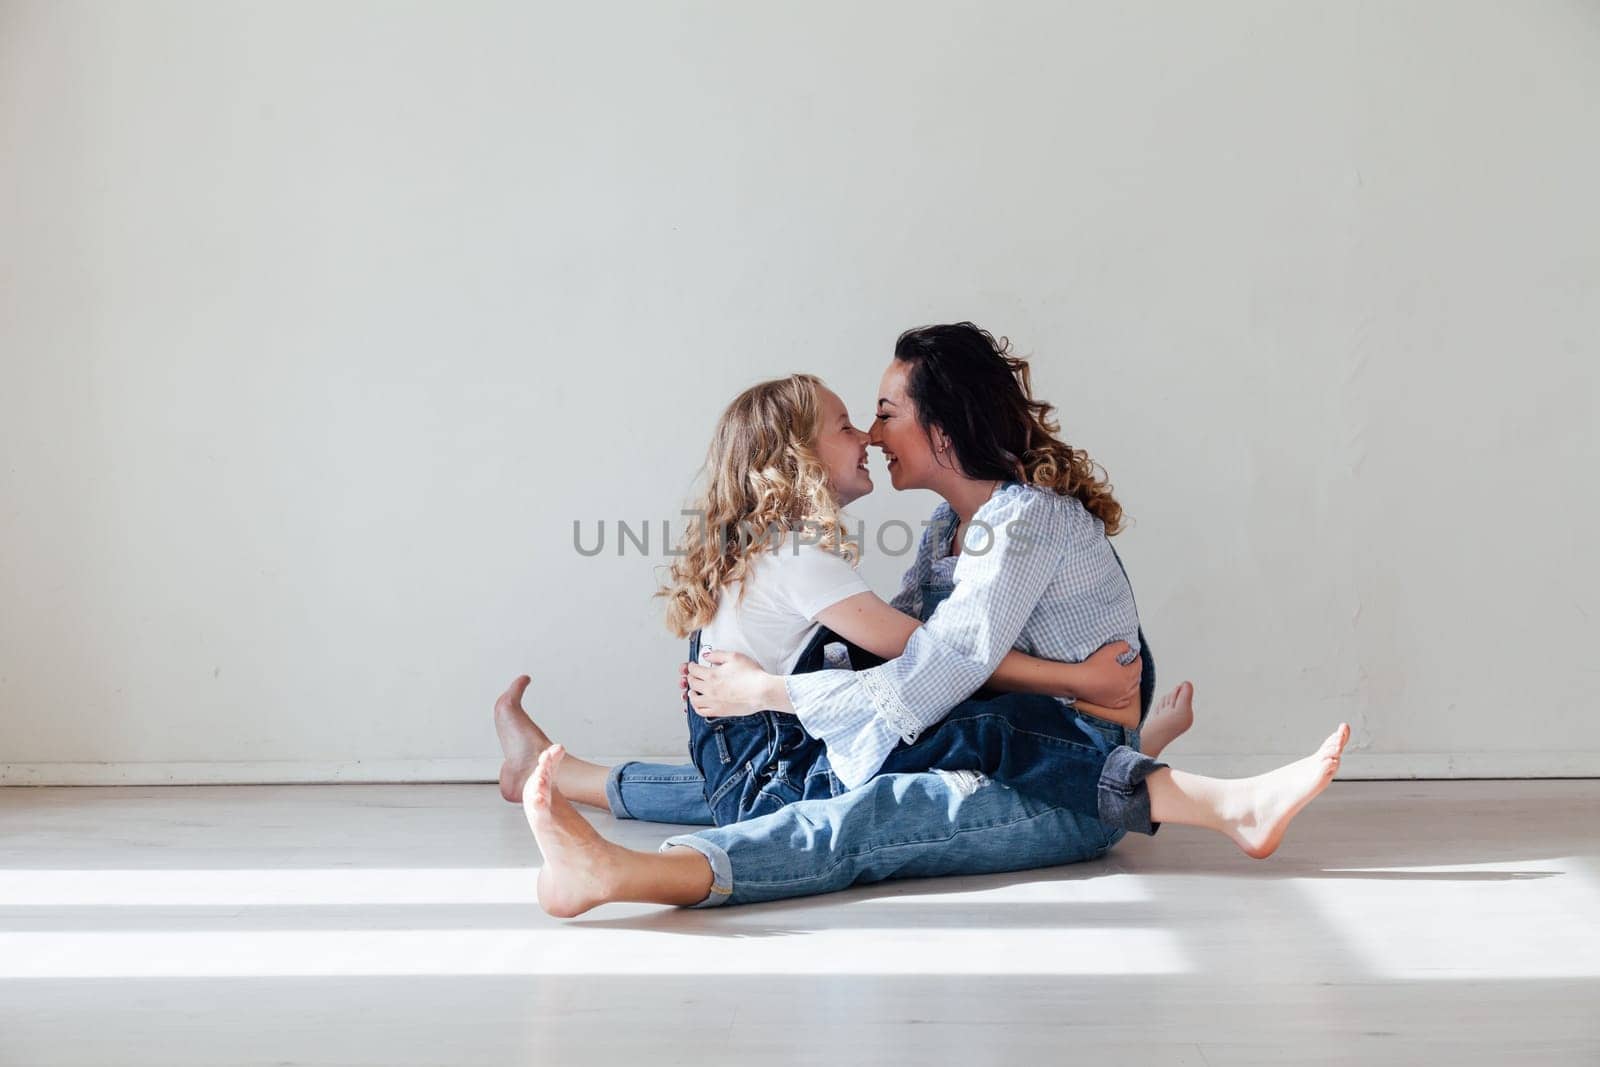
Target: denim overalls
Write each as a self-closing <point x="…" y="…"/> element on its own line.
<point x="754" y="764"/>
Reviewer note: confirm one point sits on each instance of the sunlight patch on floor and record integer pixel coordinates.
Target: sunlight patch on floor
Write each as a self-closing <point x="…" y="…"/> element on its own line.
<point x="576" y="950"/>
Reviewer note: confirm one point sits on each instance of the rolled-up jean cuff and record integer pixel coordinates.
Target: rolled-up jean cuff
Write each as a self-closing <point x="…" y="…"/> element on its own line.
<point x="1123" y="797"/>
<point x="721" y="868"/>
<point x="614" y="793"/>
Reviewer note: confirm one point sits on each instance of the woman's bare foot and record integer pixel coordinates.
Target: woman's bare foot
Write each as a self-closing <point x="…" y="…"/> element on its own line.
<point x="578" y="863"/>
<point x="1266" y="803"/>
<point x="521" y="740"/>
<point x="1169" y="720"/>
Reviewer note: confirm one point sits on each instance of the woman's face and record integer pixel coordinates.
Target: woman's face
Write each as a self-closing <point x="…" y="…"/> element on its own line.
<point x="842" y="449"/>
<point x="913" y="463"/>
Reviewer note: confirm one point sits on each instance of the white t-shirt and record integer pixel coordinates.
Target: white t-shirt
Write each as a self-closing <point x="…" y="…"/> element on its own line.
<point x="787" y="588"/>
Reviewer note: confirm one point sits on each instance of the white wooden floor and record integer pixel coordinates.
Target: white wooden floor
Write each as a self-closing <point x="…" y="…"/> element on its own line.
<point x="1449" y="922"/>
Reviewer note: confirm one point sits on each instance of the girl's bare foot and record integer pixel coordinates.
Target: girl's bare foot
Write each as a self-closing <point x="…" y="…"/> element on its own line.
<point x="1169" y="720"/>
<point x="578" y="863"/>
<point x="521" y="740"/>
<point x="1266" y="803"/>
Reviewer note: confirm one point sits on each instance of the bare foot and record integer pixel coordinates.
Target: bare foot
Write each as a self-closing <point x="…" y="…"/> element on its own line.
<point x="521" y="740"/>
<point x="577" y="861"/>
<point x="1269" y="801"/>
<point x="1169" y="720"/>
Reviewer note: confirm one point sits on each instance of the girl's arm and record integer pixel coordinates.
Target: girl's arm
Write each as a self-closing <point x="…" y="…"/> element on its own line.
<point x="866" y="620"/>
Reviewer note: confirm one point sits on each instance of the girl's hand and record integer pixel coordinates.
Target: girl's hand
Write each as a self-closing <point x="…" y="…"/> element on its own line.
<point x="1109" y="683"/>
<point x="729" y="684"/>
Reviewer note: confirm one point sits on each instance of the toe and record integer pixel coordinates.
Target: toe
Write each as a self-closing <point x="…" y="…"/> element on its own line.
<point x="541" y="778"/>
<point x="535" y="797"/>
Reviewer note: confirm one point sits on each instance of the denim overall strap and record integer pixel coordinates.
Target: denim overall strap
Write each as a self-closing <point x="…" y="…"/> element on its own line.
<point x="694" y="657"/>
<point x="933" y="594"/>
<point x="810" y="658"/>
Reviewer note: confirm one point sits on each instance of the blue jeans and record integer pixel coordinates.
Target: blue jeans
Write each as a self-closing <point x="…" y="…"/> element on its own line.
<point x="659" y="792"/>
<point x="895" y="826"/>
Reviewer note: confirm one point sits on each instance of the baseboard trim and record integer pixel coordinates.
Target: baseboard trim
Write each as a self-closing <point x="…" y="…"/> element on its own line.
<point x="1358" y="766"/>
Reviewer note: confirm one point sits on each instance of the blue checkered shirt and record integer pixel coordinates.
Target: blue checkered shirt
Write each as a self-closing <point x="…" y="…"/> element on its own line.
<point x="1048" y="584"/>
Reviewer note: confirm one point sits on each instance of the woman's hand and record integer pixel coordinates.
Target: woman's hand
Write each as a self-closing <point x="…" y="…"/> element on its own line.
<point x="728" y="684"/>
<point x="1109" y="683"/>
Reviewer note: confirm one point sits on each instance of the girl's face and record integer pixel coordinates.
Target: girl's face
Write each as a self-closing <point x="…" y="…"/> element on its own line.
<point x="842" y="449"/>
<point x="913" y="458"/>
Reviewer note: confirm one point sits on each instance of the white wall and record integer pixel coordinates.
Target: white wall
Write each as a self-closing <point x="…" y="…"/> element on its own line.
<point x="321" y="323"/>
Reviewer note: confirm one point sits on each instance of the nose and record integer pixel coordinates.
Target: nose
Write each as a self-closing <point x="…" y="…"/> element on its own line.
<point x="873" y="437"/>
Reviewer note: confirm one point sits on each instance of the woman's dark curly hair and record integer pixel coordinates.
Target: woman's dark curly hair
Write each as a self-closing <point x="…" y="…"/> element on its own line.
<point x="970" y="386"/>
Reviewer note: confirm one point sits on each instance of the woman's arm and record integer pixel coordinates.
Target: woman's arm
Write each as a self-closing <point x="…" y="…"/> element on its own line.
<point x="865" y="620"/>
<point x="1100" y="681"/>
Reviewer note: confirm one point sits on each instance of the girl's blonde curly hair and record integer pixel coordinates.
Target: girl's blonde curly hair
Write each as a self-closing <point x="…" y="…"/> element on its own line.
<point x="764" y="480"/>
